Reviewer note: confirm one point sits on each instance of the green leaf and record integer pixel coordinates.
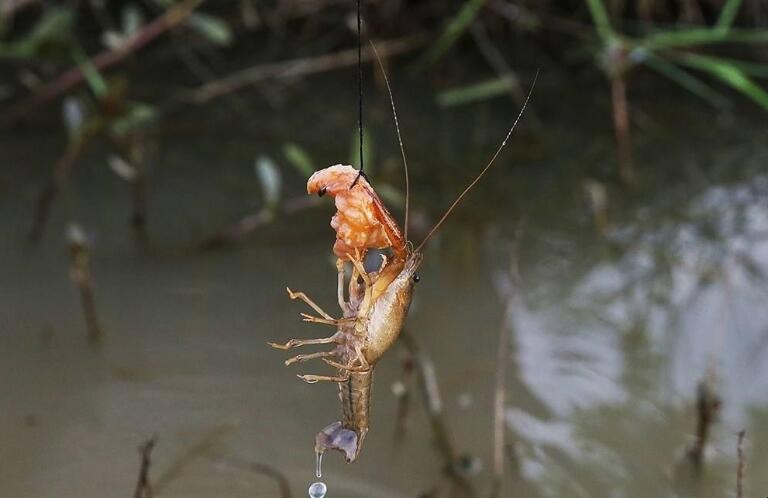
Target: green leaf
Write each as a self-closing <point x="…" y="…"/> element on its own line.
<point x="270" y="179"/>
<point x="453" y="31"/>
<point x="298" y="158"/>
<point x="728" y="14"/>
<point x="137" y="115"/>
<point x="53" y="27"/>
<point x="756" y="69"/>
<point x="602" y="21"/>
<point x="214" y="28"/>
<point x="729" y="74"/>
<point x="474" y="92"/>
<point x="92" y="75"/>
<point x="131" y="19"/>
<point x="703" y="36"/>
<point x="685" y="80"/>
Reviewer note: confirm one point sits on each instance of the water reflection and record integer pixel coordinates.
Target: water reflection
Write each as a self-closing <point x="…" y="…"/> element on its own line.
<point x="615" y="361"/>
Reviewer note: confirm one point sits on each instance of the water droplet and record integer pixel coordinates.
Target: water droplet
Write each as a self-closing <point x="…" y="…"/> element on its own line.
<point x="318" y="464"/>
<point x="317" y="490"/>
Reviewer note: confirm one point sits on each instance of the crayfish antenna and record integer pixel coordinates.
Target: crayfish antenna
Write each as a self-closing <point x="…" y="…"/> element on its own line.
<point x="487" y="166"/>
<point x="399" y="140"/>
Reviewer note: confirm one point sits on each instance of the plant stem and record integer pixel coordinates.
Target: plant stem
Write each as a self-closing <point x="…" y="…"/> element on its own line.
<point x="621" y="127"/>
<point x="601" y="20"/>
<point x="741" y="465"/>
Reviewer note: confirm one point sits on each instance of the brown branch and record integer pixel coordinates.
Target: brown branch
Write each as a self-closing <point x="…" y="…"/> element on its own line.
<point x="80" y="273"/>
<point x="495" y="59"/>
<point x="404" y="398"/>
<point x="499" y="404"/>
<point x="103" y="60"/>
<point x="434" y="405"/>
<point x="515" y="13"/>
<point x="59" y="175"/>
<point x="295" y="68"/>
<point x="144" y="486"/>
<point x="200" y="448"/>
<point x="622" y="128"/>
<point x="502" y="449"/>
<point x="247" y="225"/>
<point x="139" y="216"/>
<point x="133" y="148"/>
<point x="9" y="7"/>
<point x="261" y="468"/>
<point x="707" y="409"/>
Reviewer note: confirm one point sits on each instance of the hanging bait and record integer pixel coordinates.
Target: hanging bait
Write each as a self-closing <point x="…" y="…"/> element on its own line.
<point x="376" y="303"/>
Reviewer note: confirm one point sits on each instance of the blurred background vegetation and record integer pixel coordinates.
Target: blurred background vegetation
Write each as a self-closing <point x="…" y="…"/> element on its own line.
<point x="100" y="54"/>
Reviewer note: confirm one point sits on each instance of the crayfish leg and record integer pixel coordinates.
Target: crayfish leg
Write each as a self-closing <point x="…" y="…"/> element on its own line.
<point x="345" y="309"/>
<point x="300" y="358"/>
<point x="295" y="343"/>
<point x="324" y="321"/>
<point x="312" y="379"/>
<point x="349" y="367"/>
<point x="306" y="299"/>
<point x="357" y="262"/>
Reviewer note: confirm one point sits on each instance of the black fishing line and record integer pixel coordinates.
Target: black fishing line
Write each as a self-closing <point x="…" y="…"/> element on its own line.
<point x="359" y="95"/>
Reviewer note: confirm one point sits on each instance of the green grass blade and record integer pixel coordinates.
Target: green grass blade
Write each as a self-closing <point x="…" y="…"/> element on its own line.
<point x="685" y="80"/>
<point x="601" y="19"/>
<point x="453" y="31"/>
<point x="729" y="74"/>
<point x="215" y="29"/>
<point x="753" y="69"/>
<point x="54" y="27"/>
<point x="92" y="75"/>
<point x="299" y="158"/>
<point x="137" y="116"/>
<point x="728" y="14"/>
<point x="477" y="91"/>
<point x="703" y="36"/>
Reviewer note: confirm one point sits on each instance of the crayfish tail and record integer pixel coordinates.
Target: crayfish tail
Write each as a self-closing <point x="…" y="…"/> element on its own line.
<point x="337" y="437"/>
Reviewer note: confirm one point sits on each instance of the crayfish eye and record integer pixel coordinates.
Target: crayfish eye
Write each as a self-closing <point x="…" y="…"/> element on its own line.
<point x="416" y="279"/>
<point x="322" y="191"/>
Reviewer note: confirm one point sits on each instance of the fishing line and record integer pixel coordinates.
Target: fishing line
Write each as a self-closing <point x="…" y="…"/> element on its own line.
<point x="359" y="96"/>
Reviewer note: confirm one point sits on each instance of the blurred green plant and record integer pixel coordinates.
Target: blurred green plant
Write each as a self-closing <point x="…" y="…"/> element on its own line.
<point x="271" y="182"/>
<point x="455" y="28"/>
<point x="670" y="53"/>
<point x="299" y="159"/>
<point x="215" y="29"/>
<point x="50" y="33"/>
<point x="476" y="91"/>
<point x="104" y="113"/>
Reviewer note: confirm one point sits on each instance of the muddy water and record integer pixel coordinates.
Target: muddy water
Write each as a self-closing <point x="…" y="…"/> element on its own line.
<point x="611" y="330"/>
